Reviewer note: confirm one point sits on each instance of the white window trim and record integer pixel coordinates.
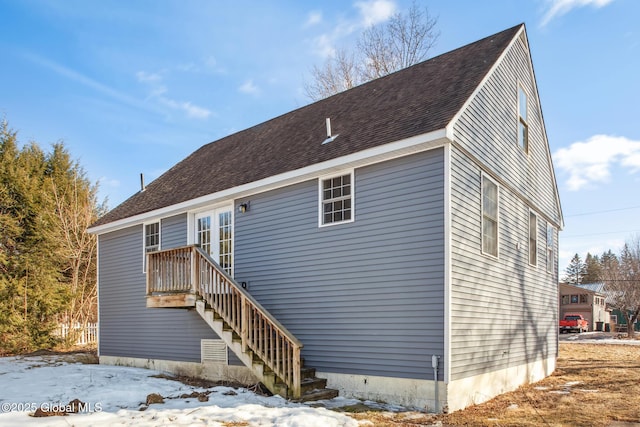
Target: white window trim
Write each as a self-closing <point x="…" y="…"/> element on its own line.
<point x="212" y="211"/>
<point x="550" y="260"/>
<point x="144" y="241"/>
<point x="525" y="121"/>
<point x="484" y="176"/>
<point x="350" y="172"/>
<point x="535" y="215"/>
<point x="191" y="217"/>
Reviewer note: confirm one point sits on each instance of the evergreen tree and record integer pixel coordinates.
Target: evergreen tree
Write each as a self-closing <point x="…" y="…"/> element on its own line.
<point x="34" y="271"/>
<point x="575" y="271"/>
<point x="593" y="269"/>
<point x="608" y="260"/>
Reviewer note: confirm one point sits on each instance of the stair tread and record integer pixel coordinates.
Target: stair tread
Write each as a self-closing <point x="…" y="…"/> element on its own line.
<point x="312" y="380"/>
<point x="312" y="388"/>
<point x="319" y="394"/>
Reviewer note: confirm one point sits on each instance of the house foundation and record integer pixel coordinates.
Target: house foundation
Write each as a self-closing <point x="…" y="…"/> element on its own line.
<point x="206" y="370"/>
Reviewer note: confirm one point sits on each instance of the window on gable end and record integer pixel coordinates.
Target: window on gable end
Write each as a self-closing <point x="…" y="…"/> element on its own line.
<point x="489" y="217"/>
<point x="336" y="199"/>
<point x="523" y="126"/>
<point x="550" y="252"/>
<point x="533" y="238"/>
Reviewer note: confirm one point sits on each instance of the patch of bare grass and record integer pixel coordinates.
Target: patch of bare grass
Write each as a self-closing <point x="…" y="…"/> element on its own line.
<point x="593" y="385"/>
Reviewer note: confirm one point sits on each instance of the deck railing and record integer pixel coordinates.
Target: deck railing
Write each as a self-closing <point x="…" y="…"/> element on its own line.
<point x="189" y="269"/>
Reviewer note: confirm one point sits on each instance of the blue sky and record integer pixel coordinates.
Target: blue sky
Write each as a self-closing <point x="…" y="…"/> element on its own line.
<point x="134" y="87"/>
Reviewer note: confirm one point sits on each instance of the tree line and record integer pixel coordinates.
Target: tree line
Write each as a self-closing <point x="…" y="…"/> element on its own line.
<point x="620" y="274"/>
<point x="47" y="260"/>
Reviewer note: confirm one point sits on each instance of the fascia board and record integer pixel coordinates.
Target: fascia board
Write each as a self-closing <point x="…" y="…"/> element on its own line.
<point x="415" y="144"/>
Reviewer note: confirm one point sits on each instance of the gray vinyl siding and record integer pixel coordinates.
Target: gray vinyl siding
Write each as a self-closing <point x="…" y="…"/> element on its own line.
<point x="488" y="130"/>
<point x="503" y="310"/>
<point x="127" y="327"/>
<point x="365" y="297"/>
<point x="174" y="232"/>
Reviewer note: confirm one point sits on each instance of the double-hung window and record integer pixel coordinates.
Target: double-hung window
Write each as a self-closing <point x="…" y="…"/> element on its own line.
<point x="489" y="217"/>
<point x="336" y="199"/>
<point x="550" y="254"/>
<point x="523" y="126"/>
<point x="151" y="241"/>
<point x="151" y="237"/>
<point x="533" y="238"/>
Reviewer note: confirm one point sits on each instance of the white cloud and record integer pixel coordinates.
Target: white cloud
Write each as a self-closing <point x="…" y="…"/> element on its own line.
<point x="157" y="91"/>
<point x="557" y="8"/>
<point x="370" y="12"/>
<point x="192" y="111"/>
<point x="591" y="161"/>
<point x="314" y="18"/>
<point x="206" y="65"/>
<point x="375" y="11"/>
<point x="324" y="46"/>
<point x="145" y="77"/>
<point x="211" y="64"/>
<point x="249" y="88"/>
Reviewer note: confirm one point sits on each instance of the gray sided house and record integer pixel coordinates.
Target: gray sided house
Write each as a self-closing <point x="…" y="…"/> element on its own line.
<point x="397" y="242"/>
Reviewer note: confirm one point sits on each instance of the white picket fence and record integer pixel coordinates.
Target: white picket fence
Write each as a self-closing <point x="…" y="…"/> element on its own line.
<point x="86" y="335"/>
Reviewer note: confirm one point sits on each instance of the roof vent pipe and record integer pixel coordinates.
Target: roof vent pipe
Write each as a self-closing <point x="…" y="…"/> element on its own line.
<point x="142" y="187"/>
<point x="329" y="136"/>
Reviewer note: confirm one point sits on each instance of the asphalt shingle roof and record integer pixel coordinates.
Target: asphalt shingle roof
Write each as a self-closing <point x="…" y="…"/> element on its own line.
<point x="416" y="100"/>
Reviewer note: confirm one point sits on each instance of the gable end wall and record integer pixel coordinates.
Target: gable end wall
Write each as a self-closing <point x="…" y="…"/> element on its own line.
<point x="503" y="311"/>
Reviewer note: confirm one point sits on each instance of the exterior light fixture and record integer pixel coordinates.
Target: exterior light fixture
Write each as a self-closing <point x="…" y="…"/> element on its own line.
<point x="243" y="207"/>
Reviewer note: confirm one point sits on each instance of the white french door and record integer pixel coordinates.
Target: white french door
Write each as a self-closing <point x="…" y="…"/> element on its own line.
<point x="214" y="234"/>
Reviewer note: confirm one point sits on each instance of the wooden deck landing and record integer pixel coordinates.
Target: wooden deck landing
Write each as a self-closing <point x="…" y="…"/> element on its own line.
<point x="181" y="300"/>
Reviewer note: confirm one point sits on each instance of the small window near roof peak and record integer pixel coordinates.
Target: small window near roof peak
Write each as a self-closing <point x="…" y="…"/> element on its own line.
<point x="523" y="125"/>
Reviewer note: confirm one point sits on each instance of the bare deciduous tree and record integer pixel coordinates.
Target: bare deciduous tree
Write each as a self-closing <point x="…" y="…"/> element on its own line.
<point x="338" y="74"/>
<point x="74" y="213"/>
<point x="404" y="40"/>
<point x="622" y="282"/>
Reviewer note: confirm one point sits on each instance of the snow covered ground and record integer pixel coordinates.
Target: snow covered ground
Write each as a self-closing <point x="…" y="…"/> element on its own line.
<point x="116" y="396"/>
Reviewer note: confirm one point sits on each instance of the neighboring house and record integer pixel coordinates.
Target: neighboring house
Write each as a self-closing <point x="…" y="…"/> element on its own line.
<point x="398" y="239"/>
<point x="616" y="319"/>
<point x="589" y="300"/>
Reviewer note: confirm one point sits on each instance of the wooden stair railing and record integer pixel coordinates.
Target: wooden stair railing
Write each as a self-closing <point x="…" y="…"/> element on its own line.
<point x="189" y="269"/>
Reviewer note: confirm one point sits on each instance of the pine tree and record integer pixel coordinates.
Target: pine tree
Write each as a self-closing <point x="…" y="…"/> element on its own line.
<point x="593" y="269"/>
<point x="575" y="271"/>
<point x="34" y="269"/>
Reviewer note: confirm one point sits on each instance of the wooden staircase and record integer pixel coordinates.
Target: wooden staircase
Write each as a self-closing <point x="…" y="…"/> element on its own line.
<point x="189" y="277"/>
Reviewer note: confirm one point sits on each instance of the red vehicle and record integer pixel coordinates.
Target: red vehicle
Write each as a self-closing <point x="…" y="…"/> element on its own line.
<point x="573" y="322"/>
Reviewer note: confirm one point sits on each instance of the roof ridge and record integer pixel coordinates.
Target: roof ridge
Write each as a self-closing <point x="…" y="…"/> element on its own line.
<point x="413" y="101"/>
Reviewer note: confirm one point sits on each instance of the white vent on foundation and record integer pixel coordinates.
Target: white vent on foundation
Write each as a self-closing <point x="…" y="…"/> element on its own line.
<point x="213" y="351"/>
